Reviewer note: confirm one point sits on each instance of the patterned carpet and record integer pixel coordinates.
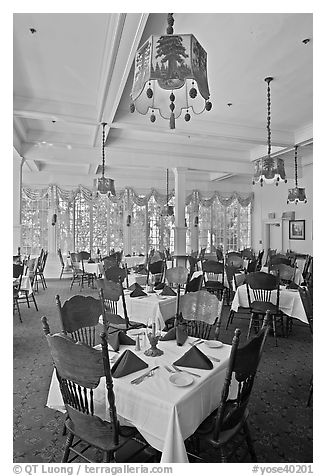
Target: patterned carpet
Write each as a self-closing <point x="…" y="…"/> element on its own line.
<point x="280" y="421"/>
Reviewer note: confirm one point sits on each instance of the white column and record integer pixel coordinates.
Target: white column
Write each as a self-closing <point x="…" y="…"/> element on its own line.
<point x="17" y="191"/>
<point x="179" y="224"/>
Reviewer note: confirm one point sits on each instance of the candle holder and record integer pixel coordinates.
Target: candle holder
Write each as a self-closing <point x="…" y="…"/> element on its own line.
<point x="153" y="351"/>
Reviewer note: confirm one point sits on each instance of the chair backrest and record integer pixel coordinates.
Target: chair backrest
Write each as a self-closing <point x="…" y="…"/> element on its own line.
<point x="16" y="259"/>
<point x="115" y="273"/>
<point x="17" y="270"/>
<point x="42" y="262"/>
<point x="262" y="285"/>
<point x="285" y="272"/>
<point x="279" y="259"/>
<point x="109" y="262"/>
<point x="234" y="259"/>
<point x="243" y="365"/>
<point x="231" y="275"/>
<point x="252" y="266"/>
<point x="307" y="301"/>
<point x="177" y="275"/>
<point x="213" y="267"/>
<point x="219" y="254"/>
<point x="79" y="369"/>
<point x="79" y="317"/>
<point x="61" y="258"/>
<point x="201" y="306"/>
<point x="192" y="263"/>
<point x="157" y="269"/>
<point x="110" y="293"/>
<point x="260" y="260"/>
<point x="31" y="268"/>
<point x="270" y="252"/>
<point x="248" y="253"/>
<point x="198" y="329"/>
<point x="194" y="284"/>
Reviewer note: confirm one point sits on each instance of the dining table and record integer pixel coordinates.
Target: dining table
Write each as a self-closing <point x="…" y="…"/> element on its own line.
<point x="150" y="308"/>
<point x="290" y="302"/>
<point x="132" y="261"/>
<point x="165" y="413"/>
<point x="93" y="268"/>
<point x="25" y="284"/>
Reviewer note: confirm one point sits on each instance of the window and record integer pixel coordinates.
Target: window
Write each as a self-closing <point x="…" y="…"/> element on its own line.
<point x="82" y="224"/>
<point x="65" y="226"/>
<point x="34" y="225"/>
<point x="138" y="230"/>
<point x="100" y="226"/>
<point x="115" y="226"/>
<point x="154" y="224"/>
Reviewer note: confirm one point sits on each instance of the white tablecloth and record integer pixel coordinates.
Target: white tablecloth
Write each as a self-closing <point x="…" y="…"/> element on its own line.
<point x="133" y="260"/>
<point x="290" y="302"/>
<point x="94" y="268"/>
<point x="151" y="308"/>
<point x="25" y="284"/>
<point x="164" y="414"/>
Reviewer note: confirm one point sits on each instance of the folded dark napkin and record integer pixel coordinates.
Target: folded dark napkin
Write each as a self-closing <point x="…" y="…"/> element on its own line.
<point x="194" y="358"/>
<point x="128" y="256"/>
<point x="137" y="293"/>
<point x="90" y="261"/>
<point x="126" y="364"/>
<point x="292" y="285"/>
<point x="170" y="335"/>
<point x="159" y="286"/>
<point x="119" y="338"/>
<point x="167" y="291"/>
<point x="178" y="333"/>
<point x="134" y="286"/>
<point x="140" y="254"/>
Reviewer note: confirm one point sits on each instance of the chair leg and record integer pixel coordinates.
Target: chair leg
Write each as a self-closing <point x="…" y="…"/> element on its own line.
<point x="27" y="299"/>
<point x="66" y="451"/>
<point x="33" y="297"/>
<point x="250" y="443"/>
<point x="274" y="329"/>
<point x="18" y="309"/>
<point x="230" y="319"/>
<point x="250" y="325"/>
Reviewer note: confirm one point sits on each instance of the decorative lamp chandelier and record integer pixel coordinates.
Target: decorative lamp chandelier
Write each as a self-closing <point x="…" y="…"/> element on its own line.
<point x="269" y="169"/>
<point x="105" y="185"/>
<point x="296" y="195"/>
<point x="168" y="209"/>
<point x="175" y="64"/>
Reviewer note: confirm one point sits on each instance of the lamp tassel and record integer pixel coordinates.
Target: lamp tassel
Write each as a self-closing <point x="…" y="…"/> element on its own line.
<point x="172" y="121"/>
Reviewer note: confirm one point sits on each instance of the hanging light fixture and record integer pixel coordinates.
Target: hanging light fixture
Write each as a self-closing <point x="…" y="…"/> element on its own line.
<point x="168" y="209"/>
<point x="296" y="195"/>
<point x="269" y="169"/>
<point x="175" y="64"/>
<point x="105" y="185"/>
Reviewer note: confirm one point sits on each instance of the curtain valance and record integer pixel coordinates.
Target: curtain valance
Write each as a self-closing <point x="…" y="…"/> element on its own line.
<point x="225" y="199"/>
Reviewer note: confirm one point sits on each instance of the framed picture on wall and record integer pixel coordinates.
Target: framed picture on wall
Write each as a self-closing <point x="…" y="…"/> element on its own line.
<point x="297" y="230"/>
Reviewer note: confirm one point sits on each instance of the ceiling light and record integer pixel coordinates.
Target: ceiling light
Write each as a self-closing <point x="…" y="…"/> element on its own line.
<point x="296" y="195"/>
<point x="170" y="77"/>
<point x="104" y="185"/>
<point x="269" y="169"/>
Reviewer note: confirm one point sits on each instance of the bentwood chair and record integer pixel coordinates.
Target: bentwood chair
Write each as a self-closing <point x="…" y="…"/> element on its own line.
<point x="156" y="270"/>
<point x="79" y="369"/>
<point x="110" y="293"/>
<point x="235" y="259"/>
<point x="40" y="269"/>
<point x="116" y="273"/>
<point x="226" y="432"/>
<point x="285" y="272"/>
<point x="30" y="271"/>
<point x="79" y="317"/>
<point x="260" y="289"/>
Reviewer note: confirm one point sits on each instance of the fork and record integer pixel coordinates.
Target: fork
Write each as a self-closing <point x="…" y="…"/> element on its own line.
<point x="186" y="371"/>
<point x="196" y="342"/>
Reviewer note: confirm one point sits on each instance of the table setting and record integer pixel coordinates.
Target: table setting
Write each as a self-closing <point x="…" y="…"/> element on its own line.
<point x="166" y="395"/>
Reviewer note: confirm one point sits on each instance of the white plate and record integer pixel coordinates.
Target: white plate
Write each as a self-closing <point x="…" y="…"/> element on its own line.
<point x="181" y="379"/>
<point x="213" y="344"/>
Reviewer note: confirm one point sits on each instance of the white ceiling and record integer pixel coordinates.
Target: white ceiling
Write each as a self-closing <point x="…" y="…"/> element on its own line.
<point x="76" y="72"/>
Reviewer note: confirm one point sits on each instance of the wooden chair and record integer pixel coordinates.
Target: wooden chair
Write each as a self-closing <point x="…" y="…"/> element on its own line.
<point x="79" y="317"/>
<point x="116" y="273"/>
<point x="40" y="270"/>
<point x="278" y="259"/>
<point x="202" y="306"/>
<point x="235" y="279"/>
<point x="18" y="270"/>
<point x="79" y="369"/>
<point x="110" y="293"/>
<point x="83" y="256"/>
<point x="270" y="252"/>
<point x="259" y="260"/>
<point x="156" y="270"/>
<point x="248" y="253"/>
<point x="109" y="262"/>
<point x="63" y="266"/>
<point x="192" y="264"/>
<point x="30" y="271"/>
<point x="214" y="277"/>
<point x="226" y="430"/>
<point x="261" y="286"/>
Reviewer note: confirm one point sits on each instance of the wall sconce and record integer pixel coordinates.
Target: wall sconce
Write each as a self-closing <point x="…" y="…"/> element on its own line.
<point x="196" y="221"/>
<point x="128" y="220"/>
<point x="54" y="219"/>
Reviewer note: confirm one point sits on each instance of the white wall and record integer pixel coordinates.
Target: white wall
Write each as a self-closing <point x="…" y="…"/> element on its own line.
<point x="270" y="198"/>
